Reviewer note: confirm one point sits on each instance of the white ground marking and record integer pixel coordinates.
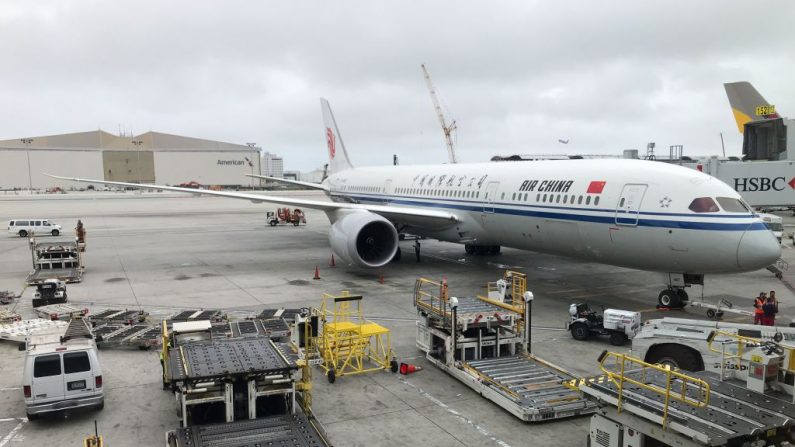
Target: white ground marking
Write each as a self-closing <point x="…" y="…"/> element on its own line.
<point x="458" y="415"/>
<point x="13" y="433"/>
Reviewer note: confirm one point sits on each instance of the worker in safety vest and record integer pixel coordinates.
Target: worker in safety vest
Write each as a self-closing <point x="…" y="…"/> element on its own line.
<point x="759" y="314"/>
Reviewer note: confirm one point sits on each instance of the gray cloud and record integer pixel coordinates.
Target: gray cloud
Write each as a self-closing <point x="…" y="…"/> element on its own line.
<point x="515" y="75"/>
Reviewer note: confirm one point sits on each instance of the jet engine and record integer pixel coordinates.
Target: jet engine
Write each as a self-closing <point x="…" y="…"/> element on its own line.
<point x="364" y="239"/>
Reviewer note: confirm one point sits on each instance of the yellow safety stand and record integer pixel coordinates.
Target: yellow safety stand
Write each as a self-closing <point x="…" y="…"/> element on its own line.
<point x="347" y="342"/>
<point x="94" y="440"/>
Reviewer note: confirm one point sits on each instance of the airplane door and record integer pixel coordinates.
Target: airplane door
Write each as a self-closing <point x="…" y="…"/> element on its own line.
<point x="628" y="206"/>
<point x="387" y="191"/>
<point x="488" y="198"/>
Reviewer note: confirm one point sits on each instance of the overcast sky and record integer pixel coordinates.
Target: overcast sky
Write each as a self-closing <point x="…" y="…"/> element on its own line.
<point x="516" y="76"/>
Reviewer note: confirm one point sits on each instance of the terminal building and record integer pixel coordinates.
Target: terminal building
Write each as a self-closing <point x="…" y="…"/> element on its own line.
<point x="151" y="157"/>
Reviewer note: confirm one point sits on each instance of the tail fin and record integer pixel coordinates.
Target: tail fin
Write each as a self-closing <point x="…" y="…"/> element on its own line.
<point x="337" y="155"/>
<point x="747" y="104"/>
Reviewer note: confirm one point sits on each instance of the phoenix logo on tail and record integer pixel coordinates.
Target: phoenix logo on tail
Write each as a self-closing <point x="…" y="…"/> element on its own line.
<point x="330" y="141"/>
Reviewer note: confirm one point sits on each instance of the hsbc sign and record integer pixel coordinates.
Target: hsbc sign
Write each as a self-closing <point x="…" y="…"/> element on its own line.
<point x="762" y="184"/>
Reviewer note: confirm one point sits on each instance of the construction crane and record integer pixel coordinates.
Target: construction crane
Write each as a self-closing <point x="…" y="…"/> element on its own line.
<point x="447" y="129"/>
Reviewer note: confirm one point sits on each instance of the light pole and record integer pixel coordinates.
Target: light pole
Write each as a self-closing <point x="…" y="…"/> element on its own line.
<point x="253" y="147"/>
<point x="138" y="144"/>
<point x="27" y="142"/>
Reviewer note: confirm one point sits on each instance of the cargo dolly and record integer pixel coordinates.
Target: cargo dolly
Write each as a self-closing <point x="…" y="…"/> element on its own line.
<point x="118" y="316"/>
<point x="287" y="314"/>
<point x="117" y="335"/>
<point x="275" y="328"/>
<point x="62" y="260"/>
<point x="485" y="343"/>
<point x="652" y="404"/>
<point x="60" y="311"/>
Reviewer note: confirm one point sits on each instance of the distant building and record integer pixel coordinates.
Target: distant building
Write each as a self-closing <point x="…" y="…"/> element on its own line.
<point x="291" y="175"/>
<point x="272" y="165"/>
<point x="151" y="157"/>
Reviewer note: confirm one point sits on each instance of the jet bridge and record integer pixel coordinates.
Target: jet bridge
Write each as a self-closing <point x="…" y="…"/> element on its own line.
<point x="484" y="342"/>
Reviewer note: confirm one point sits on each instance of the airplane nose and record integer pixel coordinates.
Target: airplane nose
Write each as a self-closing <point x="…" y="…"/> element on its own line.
<point x="757" y="249"/>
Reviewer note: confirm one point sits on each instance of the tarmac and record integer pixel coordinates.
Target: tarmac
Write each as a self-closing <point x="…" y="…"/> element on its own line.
<point x="165" y="252"/>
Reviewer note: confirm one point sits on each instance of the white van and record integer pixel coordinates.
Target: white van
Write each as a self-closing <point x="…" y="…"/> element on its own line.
<point x="25" y="227"/>
<point x="62" y="371"/>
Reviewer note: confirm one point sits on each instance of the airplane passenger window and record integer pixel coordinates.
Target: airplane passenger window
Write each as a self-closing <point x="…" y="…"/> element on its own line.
<point x="557" y="199"/>
<point x="538" y="197"/>
<point x="596" y="200"/>
<point x="621" y="203"/>
<point x="513" y="196"/>
<point x="732" y="205"/>
<point x="579" y="200"/>
<point x="502" y="197"/>
<point x="588" y="200"/>
<point x="565" y="198"/>
<point x="544" y="199"/>
<point x="704" y="205"/>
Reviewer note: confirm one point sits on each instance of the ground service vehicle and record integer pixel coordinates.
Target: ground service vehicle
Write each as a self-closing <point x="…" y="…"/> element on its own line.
<point x="620" y="325"/>
<point x="285" y="216"/>
<point x="25" y="227"/>
<point x="773" y="223"/>
<point x="62" y="371"/>
<point x="683" y="343"/>
<point x="50" y="291"/>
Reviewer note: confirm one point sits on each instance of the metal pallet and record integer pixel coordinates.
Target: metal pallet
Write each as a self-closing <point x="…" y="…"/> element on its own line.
<point x="275" y="328"/>
<point x="119" y="335"/>
<point x="294" y="430"/>
<point x="287" y="314"/>
<point x="733" y="412"/>
<point x="199" y="314"/>
<point x="225" y="357"/>
<point x="471" y="311"/>
<point x="125" y="316"/>
<point x="532" y="385"/>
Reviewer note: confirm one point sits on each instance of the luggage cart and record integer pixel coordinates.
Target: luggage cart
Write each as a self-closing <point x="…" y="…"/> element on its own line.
<point x="124" y="316"/>
<point x="118" y="335"/>
<point x="215" y="315"/>
<point x="60" y="311"/>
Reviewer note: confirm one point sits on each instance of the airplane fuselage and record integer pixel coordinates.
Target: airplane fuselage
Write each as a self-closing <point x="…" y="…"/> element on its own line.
<point x="631" y="213"/>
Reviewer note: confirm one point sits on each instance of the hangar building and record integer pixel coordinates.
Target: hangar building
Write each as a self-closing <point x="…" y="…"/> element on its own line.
<point x="151" y="157"/>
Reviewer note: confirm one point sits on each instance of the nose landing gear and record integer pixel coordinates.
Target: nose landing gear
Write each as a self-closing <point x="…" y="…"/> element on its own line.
<point x="673" y="298"/>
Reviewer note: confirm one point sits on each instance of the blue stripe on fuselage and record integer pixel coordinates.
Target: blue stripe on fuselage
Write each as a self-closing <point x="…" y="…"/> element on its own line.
<point x="609" y="220"/>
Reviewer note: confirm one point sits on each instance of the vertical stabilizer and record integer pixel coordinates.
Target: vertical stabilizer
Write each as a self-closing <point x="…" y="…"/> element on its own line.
<point x="747" y="104"/>
<point x="337" y="155"/>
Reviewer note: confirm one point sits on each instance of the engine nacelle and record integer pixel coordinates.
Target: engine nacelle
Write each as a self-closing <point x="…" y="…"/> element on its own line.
<point x="364" y="239"/>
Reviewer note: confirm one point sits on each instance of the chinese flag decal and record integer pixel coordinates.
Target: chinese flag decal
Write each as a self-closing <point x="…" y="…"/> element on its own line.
<point x="330" y="140"/>
<point x="596" y="187"/>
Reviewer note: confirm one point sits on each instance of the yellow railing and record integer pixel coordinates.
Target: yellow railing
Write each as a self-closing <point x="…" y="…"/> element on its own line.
<point x="622" y="365"/>
<point x="742" y="342"/>
<point x="432" y="296"/>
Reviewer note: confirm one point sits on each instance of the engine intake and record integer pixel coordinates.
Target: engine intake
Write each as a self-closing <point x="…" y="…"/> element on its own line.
<point x="364" y="239"/>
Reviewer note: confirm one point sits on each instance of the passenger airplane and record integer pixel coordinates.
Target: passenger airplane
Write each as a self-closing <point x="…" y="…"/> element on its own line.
<point x="631" y="213"/>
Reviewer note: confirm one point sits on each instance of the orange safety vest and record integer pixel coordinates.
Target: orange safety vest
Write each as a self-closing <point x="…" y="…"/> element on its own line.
<point x="758" y="303"/>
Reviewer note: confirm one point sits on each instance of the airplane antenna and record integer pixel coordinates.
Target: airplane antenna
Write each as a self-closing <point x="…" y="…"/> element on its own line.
<point x="446" y="128"/>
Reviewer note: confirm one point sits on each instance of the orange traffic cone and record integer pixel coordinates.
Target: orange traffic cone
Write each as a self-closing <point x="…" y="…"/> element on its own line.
<point x="317" y="273"/>
<point x="332" y="264"/>
<point x="406" y="368"/>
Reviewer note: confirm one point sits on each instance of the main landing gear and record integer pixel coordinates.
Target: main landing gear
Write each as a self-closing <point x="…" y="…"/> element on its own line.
<point x="472" y="249"/>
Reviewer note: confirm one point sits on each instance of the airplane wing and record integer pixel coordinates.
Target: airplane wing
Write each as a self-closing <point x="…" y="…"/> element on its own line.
<point x="408" y="215"/>
<point x="290" y="182"/>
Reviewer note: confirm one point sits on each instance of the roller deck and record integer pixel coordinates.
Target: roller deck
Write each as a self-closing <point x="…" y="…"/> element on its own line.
<point x="294" y="430"/>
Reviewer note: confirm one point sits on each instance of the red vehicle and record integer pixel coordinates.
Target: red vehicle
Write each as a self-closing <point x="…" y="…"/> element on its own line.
<point x="191" y="184"/>
<point x="285" y="216"/>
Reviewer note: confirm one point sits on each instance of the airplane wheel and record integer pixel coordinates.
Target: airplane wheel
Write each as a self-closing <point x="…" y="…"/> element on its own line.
<point x="23" y="233"/>
<point x="682" y="295"/>
<point x="332" y="376"/>
<point x="669" y="298"/>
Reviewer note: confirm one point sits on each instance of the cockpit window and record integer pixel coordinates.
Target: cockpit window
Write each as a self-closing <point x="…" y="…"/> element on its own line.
<point x="703" y="205"/>
<point x="733" y="205"/>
